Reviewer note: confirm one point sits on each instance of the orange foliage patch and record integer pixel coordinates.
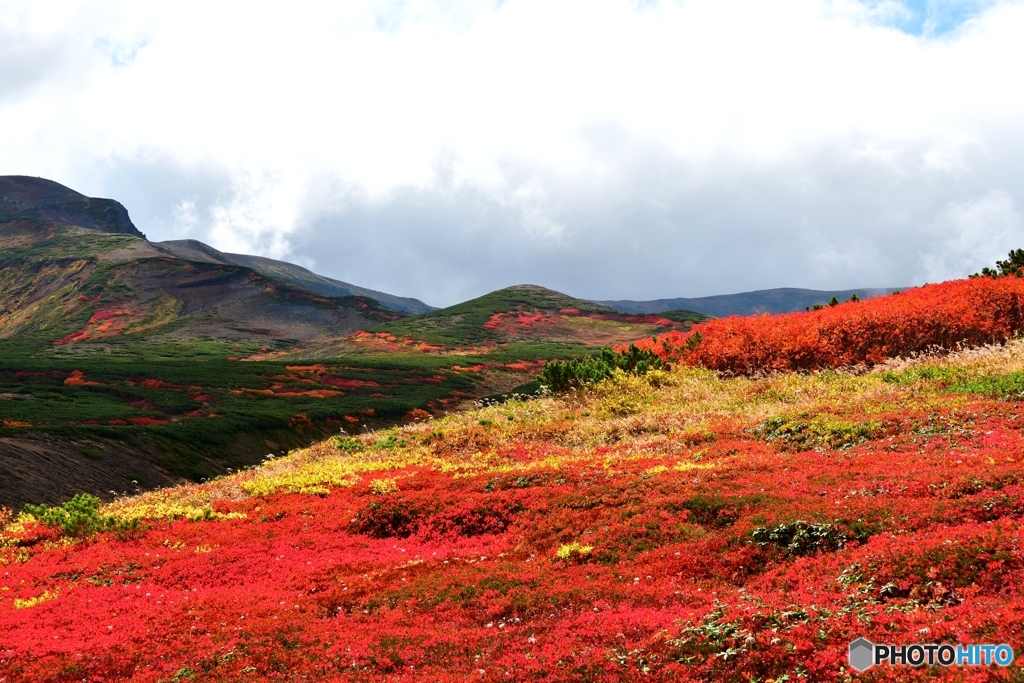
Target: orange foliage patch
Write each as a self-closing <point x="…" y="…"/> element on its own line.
<point x="960" y="312"/>
<point x="523" y="365"/>
<point x="77" y="379"/>
<point x="155" y="384"/>
<point x="493" y="321"/>
<point x="528" y="320"/>
<point x="105" y="315"/>
<point x="471" y="368"/>
<point x="416" y="414"/>
<point x="300" y="419"/>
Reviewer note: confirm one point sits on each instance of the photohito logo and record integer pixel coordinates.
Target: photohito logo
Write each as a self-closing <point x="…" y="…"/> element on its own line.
<point x="864" y="654"/>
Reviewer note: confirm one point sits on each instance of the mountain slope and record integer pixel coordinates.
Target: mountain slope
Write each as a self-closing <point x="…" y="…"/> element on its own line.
<point x="75" y="269"/>
<point x="678" y="526"/>
<point x="118" y="356"/>
<point x="71" y="287"/>
<point x="36" y="203"/>
<point x="782" y="300"/>
<point x="528" y="312"/>
<point x="282" y="271"/>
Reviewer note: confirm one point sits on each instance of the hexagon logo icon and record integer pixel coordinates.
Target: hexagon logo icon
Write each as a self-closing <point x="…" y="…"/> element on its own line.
<point x="862" y="654"/>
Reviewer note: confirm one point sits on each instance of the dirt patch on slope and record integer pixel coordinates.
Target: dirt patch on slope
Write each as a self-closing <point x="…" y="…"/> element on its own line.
<point x="37" y="469"/>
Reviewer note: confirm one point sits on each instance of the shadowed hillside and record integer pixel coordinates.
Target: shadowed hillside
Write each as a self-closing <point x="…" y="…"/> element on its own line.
<point x="31" y="203"/>
<point x="282" y="271"/>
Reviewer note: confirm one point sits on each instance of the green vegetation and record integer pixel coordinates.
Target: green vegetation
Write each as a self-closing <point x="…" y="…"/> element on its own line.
<point x="577" y="373"/>
<point x="681" y="315"/>
<point x="463" y="325"/>
<point x="80" y="516"/>
<point x="822" y="431"/>
<point x="191" y="406"/>
<point x="957" y="379"/>
<point x="808" y="538"/>
<point x="1013" y="265"/>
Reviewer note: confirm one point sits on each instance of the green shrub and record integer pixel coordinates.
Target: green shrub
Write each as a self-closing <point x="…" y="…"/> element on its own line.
<point x="348" y="444"/>
<point x="81" y="516"/>
<point x="577" y="373"/>
<point x="803" y="538"/>
<point x="391" y="442"/>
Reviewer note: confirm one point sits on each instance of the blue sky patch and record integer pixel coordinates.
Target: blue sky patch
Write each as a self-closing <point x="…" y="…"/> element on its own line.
<point x="931" y="18"/>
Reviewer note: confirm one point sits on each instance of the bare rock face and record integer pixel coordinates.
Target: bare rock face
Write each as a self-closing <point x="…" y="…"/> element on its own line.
<point x="28" y="200"/>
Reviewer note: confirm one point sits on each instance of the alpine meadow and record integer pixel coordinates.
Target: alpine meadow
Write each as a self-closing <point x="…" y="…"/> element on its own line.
<point x="512" y="341"/>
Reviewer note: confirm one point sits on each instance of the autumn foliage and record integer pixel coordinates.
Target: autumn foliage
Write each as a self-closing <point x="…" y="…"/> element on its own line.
<point x="674" y="526"/>
<point x="947" y="315"/>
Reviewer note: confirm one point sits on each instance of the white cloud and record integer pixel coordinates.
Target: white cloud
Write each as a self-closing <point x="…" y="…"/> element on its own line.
<point x="978" y="232"/>
<point x="612" y="148"/>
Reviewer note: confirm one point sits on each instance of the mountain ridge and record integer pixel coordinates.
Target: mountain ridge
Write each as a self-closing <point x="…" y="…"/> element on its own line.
<point x="777" y="300"/>
<point x="194" y="250"/>
<point x="32" y="209"/>
<point x="33" y="201"/>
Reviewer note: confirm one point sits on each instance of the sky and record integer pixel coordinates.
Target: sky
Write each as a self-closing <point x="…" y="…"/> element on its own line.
<point x="609" y="149"/>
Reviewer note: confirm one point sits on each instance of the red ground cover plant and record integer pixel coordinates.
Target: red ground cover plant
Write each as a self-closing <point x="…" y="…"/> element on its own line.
<point x="960" y="312"/>
<point x="675" y="526"/>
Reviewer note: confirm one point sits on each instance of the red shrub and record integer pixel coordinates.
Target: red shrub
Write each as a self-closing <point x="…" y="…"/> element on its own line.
<point x="961" y="312"/>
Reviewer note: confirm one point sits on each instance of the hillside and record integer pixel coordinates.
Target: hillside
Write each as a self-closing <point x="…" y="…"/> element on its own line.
<point x="29" y="204"/>
<point x="529" y="312"/>
<point x="782" y="300"/>
<point x="289" y="273"/>
<point x="121" y="360"/>
<point x="119" y="357"/>
<point x="675" y="526"/>
<point x="75" y="269"/>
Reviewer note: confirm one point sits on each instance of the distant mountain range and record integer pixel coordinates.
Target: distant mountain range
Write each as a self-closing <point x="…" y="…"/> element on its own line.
<point x="782" y="300"/>
<point x="29" y="207"/>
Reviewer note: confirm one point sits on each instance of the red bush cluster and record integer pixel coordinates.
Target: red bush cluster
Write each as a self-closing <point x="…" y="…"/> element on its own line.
<point x="968" y="312"/>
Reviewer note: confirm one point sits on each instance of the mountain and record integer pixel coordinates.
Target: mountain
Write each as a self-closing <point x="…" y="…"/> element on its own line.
<point x="282" y="271"/>
<point x="782" y="300"/>
<point x="530" y="313"/>
<point x="75" y="269"/>
<point x="118" y="356"/>
<point x="34" y="203"/>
